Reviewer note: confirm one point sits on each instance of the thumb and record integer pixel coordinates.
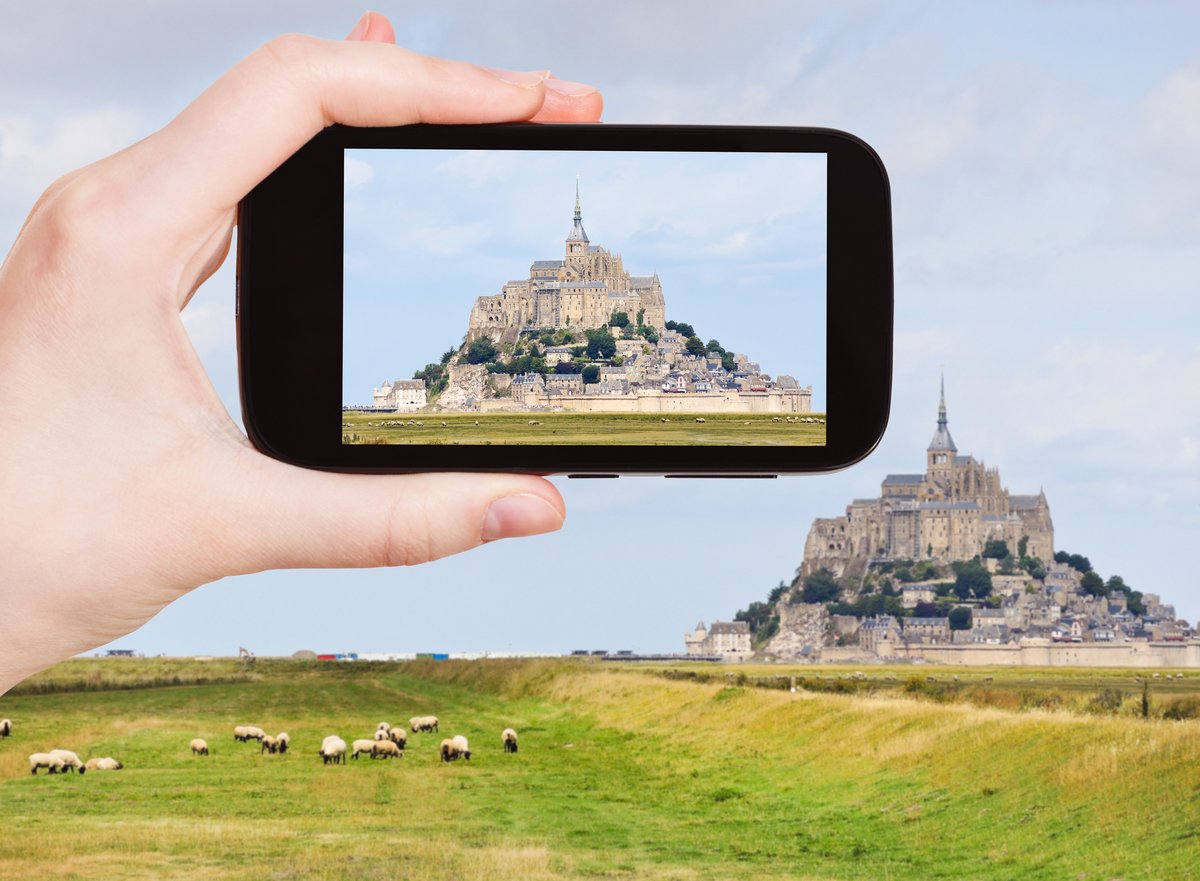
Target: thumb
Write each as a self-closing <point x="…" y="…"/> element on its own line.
<point x="293" y="518"/>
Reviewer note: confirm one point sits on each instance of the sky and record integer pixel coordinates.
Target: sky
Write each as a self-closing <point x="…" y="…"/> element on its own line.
<point x="738" y="242"/>
<point x="1045" y="168"/>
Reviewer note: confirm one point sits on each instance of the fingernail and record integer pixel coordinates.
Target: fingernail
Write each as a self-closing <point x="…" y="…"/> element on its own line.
<point x="515" y="516"/>
<point x="526" y="79"/>
<point x="570" y="89"/>
<point x="360" y="29"/>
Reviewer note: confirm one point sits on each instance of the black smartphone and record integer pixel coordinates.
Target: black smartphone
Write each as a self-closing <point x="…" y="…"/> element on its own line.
<point x="592" y="300"/>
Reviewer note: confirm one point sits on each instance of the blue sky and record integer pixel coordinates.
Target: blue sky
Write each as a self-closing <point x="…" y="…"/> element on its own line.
<point x="1045" y="165"/>
<point x="738" y="241"/>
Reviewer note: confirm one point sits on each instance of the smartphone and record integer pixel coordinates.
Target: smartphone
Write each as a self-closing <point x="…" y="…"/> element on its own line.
<point x="591" y="300"/>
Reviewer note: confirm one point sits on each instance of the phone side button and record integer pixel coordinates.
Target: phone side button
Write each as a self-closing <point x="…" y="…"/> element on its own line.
<point x="590" y="476"/>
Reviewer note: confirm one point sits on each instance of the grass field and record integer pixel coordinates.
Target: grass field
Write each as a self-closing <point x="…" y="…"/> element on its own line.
<point x="622" y="773"/>
<point x="649" y="429"/>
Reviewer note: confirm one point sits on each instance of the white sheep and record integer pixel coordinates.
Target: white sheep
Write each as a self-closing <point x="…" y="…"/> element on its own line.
<point x="386" y="749"/>
<point x="362" y="746"/>
<point x="383" y="726"/>
<point x="239" y="733"/>
<point x="399" y="737"/>
<point x="333" y="750"/>
<point x="382" y="735"/>
<point x="199" y="747"/>
<point x="509" y="737"/>
<point x="51" y="763"/>
<point x="455" y="748"/>
<point x="268" y="744"/>
<point x="423" y="723"/>
<point x="106" y="764"/>
<point x="69" y="760"/>
<point x="5" y="727"/>
<point x="447" y="750"/>
<point x="282" y="741"/>
<point x="253" y="732"/>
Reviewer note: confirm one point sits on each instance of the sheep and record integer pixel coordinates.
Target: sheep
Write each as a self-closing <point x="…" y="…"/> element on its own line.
<point x="362" y="746"/>
<point x="699" y="418"/>
<point x="385" y="749"/>
<point x="105" y="764"/>
<point x="268" y="745"/>
<point x="383" y="726"/>
<point x="199" y="747"/>
<point x="447" y="750"/>
<point x="282" y="742"/>
<point x="423" y="723"/>
<point x="69" y="760"/>
<point x="399" y="737"/>
<point x="509" y="737"/>
<point x="333" y="750"/>
<point x="239" y="733"/>
<point x="454" y="748"/>
<point x="382" y="735"/>
<point x="53" y="764"/>
<point x="5" y="727"/>
<point x="253" y="732"/>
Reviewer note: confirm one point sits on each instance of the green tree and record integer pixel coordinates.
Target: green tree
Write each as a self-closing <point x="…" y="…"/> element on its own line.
<point x="695" y="346"/>
<point x="546" y="338"/>
<point x="670" y="325"/>
<point x="1093" y="584"/>
<point x="649" y="334"/>
<point x="1079" y="562"/>
<point x="641" y="313"/>
<point x="578" y="351"/>
<point x="1061" y="556"/>
<point x="619" y="319"/>
<point x="1022" y="546"/>
<point x="972" y="580"/>
<point x="685" y="330"/>
<point x="1117" y="584"/>
<point x="567" y="367"/>
<point x="1135" y="603"/>
<point x="714" y="346"/>
<point x="996" y="549"/>
<point x="820" y="587"/>
<point x="601" y="344"/>
<point x="591" y="374"/>
<point x="960" y="618"/>
<point x="777" y="593"/>
<point x="481" y="350"/>
<point x="448" y="354"/>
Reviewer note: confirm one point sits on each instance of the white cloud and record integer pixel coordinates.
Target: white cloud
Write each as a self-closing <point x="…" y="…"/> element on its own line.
<point x="357" y="173"/>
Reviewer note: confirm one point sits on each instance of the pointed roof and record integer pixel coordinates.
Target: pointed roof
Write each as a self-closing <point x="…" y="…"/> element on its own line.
<point x="577" y="234"/>
<point x="941" y="438"/>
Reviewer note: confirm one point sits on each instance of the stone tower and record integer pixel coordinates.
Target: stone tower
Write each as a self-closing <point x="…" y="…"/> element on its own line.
<point x="577" y="240"/>
<point x="941" y="452"/>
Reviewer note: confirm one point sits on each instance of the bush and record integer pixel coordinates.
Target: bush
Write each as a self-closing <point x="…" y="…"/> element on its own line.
<point x="481" y="350"/>
<point x="1107" y="700"/>
<point x="820" y="587"/>
<point x="1181" y="708"/>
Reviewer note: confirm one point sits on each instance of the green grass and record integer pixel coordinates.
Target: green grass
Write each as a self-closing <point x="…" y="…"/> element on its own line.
<point x="647" y="429"/>
<point x="621" y="774"/>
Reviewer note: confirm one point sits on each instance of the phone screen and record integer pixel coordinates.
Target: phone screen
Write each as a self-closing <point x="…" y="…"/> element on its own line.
<point x="575" y="297"/>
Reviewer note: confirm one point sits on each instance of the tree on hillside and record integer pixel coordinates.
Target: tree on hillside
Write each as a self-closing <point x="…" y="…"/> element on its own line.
<point x="1022" y="546"/>
<point x="996" y="549"/>
<point x="1135" y="604"/>
<point x="619" y="319"/>
<point x="1093" y="584"/>
<point x="591" y="374"/>
<point x="481" y="350"/>
<point x="777" y="593"/>
<point x="448" y="354"/>
<point x="960" y="618"/>
<point x="695" y="347"/>
<point x="566" y="367"/>
<point x="728" y="363"/>
<point x="1117" y="584"/>
<point x="600" y="344"/>
<point x="972" y="580"/>
<point x="684" y="330"/>
<point x="714" y="346"/>
<point x="1079" y="563"/>
<point x="670" y="325"/>
<point x="925" y="610"/>
<point x="820" y="587"/>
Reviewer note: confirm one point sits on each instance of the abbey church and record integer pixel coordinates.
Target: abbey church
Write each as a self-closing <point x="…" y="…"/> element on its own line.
<point x="578" y="292"/>
<point x="947" y="513"/>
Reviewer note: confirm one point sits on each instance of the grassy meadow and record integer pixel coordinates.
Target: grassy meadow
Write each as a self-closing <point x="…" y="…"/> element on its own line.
<point x="648" y="429"/>
<point x="623" y="772"/>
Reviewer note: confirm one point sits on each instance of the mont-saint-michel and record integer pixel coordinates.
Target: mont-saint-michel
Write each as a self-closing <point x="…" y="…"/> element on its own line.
<point x="578" y="339"/>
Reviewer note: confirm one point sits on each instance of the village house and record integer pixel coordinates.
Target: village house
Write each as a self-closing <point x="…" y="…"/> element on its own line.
<point x="729" y="638"/>
<point x="928" y="631"/>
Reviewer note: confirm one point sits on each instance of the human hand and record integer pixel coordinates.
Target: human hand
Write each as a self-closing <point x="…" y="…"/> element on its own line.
<point x="123" y="481"/>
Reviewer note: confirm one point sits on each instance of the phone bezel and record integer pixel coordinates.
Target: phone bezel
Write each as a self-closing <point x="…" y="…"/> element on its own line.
<point x="289" y="305"/>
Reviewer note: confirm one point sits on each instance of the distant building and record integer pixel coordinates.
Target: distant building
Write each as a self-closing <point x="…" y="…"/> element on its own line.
<point x="723" y="638"/>
<point x="403" y="395"/>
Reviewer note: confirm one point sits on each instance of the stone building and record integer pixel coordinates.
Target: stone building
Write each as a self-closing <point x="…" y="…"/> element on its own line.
<point x="723" y="638"/>
<point x="949" y="512"/>
<point x="579" y="291"/>
<point x="403" y="395"/>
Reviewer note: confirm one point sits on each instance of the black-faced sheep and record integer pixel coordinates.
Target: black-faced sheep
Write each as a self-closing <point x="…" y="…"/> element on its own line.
<point x="269" y="745"/>
<point x="106" y="764"/>
<point x="455" y="748"/>
<point x="5" y="727"/>
<point x="423" y="723"/>
<point x="510" y="740"/>
<point x="69" y="760"/>
<point x="362" y="746"/>
<point x="382" y="735"/>
<point x="199" y="747"/>
<point x="333" y="750"/>
<point x="461" y="742"/>
<point x="282" y="741"/>
<point x="385" y="749"/>
<point x="399" y="737"/>
<point x="51" y="763"/>
<point x="383" y="726"/>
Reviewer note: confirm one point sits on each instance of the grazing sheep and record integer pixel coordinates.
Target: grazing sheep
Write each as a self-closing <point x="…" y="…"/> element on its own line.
<point x="447" y="750"/>
<point x="53" y="764"/>
<point x="333" y="750"/>
<point x="268" y="745"/>
<point x="382" y="735"/>
<point x="282" y="741"/>
<point x="199" y="747"/>
<point x="460" y="743"/>
<point x="5" y="727"/>
<point x="423" y="723"/>
<point x="385" y="749"/>
<point x="253" y="732"/>
<point x="399" y="737"/>
<point x="69" y="760"/>
<point x="106" y="764"/>
<point x="239" y="733"/>
<point x="362" y="746"/>
<point x="699" y="418"/>
<point x="510" y="740"/>
<point x="383" y="726"/>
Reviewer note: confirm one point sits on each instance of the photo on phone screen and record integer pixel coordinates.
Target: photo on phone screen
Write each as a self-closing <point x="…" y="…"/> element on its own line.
<point x="580" y="297"/>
